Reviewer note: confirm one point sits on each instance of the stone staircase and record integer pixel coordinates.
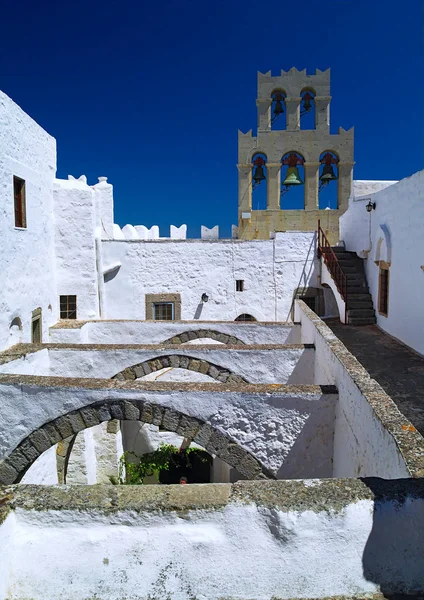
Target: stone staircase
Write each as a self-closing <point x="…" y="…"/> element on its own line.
<point x="360" y="310"/>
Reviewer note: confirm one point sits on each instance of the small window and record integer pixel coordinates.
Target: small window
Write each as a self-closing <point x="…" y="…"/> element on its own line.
<point x="239" y="285"/>
<point x="36" y="333"/>
<point x="245" y="317"/>
<point x="68" y="307"/>
<point x="163" y="311"/>
<point x="383" y="291"/>
<point x="19" y="197"/>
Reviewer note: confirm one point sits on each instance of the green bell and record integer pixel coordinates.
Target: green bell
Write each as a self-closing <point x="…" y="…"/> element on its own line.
<point x="327" y="174"/>
<point x="292" y="177"/>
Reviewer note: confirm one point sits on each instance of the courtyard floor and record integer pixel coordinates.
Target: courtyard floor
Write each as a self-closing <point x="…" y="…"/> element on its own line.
<point x="398" y="370"/>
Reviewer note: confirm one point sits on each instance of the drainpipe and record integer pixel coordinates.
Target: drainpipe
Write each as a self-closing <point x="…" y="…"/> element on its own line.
<point x="100" y="277"/>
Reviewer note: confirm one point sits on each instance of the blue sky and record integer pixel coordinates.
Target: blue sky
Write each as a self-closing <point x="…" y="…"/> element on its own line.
<point x="151" y="94"/>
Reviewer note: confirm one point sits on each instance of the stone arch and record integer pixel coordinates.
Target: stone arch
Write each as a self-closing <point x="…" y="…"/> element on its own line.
<point x="187" y="336"/>
<point x="15" y="465"/>
<point x="179" y="361"/>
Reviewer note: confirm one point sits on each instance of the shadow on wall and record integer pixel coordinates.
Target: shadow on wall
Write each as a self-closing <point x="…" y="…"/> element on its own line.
<point x="308" y="438"/>
<point x="199" y="310"/>
<point x="393" y="556"/>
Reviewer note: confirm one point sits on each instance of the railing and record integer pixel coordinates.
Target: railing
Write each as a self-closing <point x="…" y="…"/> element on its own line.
<point x="332" y="262"/>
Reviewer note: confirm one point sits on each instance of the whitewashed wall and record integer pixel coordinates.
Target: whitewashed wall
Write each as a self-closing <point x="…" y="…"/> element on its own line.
<point x="363" y="446"/>
<point x="284" y="540"/>
<point x="271" y="270"/>
<point x="75" y="246"/>
<point x="156" y="332"/>
<point x="28" y="268"/>
<point x="276" y="365"/>
<point x="393" y="233"/>
<point x="278" y="428"/>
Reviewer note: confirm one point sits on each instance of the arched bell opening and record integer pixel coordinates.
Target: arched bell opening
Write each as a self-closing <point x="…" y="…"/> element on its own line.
<point x="278" y="110"/>
<point x="307" y="109"/>
<point x="292" y="193"/>
<point x="328" y="196"/>
<point x="259" y="181"/>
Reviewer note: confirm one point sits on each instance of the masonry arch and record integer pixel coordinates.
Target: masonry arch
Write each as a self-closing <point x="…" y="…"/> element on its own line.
<point x="214" y="441"/>
<point x="179" y="361"/>
<point x="245" y="317"/>
<point x="188" y="336"/>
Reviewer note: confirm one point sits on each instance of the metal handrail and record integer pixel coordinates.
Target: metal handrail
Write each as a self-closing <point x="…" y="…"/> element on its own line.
<point x="332" y="262"/>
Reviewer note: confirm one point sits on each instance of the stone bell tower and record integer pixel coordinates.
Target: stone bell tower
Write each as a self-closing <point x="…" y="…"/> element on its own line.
<point x="293" y="93"/>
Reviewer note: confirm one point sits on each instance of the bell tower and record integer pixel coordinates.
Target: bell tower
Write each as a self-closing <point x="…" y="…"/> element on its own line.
<point x="293" y="157"/>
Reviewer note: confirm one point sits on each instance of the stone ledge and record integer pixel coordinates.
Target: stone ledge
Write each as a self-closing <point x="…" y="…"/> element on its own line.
<point x="69" y="323"/>
<point x="180" y="347"/>
<point x="107" y="384"/>
<point x="317" y="495"/>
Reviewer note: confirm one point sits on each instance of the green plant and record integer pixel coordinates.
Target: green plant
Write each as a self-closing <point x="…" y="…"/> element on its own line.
<point x="152" y="463"/>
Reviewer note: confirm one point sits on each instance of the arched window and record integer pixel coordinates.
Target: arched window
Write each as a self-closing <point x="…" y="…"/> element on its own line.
<point x="278" y="110"/>
<point x="259" y="183"/>
<point x="328" y="185"/>
<point x="292" y="180"/>
<point x="307" y="109"/>
<point x="15" y="331"/>
<point x="245" y="317"/>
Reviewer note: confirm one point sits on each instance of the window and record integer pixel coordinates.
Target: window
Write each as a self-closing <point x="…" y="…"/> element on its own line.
<point x="239" y="285"/>
<point x="163" y="307"/>
<point x="245" y="317"/>
<point x="36" y="333"/>
<point x="19" y="197"/>
<point x="163" y="311"/>
<point x="383" y="290"/>
<point x="68" y="307"/>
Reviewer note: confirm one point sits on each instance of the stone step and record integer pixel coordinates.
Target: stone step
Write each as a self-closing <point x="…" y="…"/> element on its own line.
<point x="359" y="321"/>
<point x="360" y="313"/>
<point x="355" y="304"/>
<point x="360" y="296"/>
<point x="348" y="268"/>
<point x="355" y="276"/>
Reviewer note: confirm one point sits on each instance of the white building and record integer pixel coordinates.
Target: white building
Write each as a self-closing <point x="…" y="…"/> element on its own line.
<point x="203" y="341"/>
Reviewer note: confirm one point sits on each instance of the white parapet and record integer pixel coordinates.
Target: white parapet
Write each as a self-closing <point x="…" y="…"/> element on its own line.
<point x="117" y="233"/>
<point x="210" y="234"/>
<point x="130" y="232"/>
<point x="178" y="233"/>
<point x="147" y="234"/>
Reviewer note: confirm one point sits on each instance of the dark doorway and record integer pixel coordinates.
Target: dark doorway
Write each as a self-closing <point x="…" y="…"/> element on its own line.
<point x="195" y="466"/>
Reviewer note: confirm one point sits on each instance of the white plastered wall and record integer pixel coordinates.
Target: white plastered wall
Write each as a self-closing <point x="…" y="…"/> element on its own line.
<point x="271" y="270"/>
<point x="75" y="246"/>
<point x="28" y="279"/>
<point x="398" y="219"/>
<point x="363" y="447"/>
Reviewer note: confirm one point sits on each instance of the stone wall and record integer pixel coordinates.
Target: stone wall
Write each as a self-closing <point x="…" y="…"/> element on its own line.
<point x="288" y="540"/>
